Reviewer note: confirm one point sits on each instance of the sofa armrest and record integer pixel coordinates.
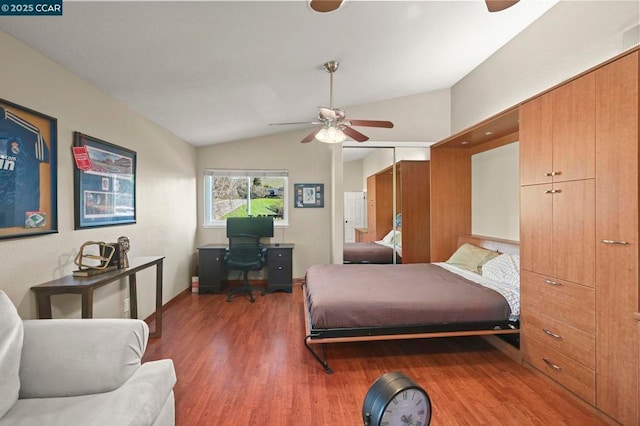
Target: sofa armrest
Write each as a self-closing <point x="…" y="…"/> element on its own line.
<point x="70" y="357"/>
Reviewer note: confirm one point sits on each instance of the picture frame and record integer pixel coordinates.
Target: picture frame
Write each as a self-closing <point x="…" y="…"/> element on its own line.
<point x="308" y="195"/>
<point x="104" y="183"/>
<point x="28" y="172"/>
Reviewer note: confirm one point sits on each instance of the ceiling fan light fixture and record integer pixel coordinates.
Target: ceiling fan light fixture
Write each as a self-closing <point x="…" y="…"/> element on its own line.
<point x="331" y="134"/>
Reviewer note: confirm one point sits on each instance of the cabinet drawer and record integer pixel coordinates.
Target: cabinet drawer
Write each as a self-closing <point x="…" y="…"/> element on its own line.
<point x="569" y="373"/>
<point x="560" y="336"/>
<point x="571" y="303"/>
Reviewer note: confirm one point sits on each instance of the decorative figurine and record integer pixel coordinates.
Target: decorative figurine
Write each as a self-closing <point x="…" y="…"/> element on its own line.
<point x="125" y="246"/>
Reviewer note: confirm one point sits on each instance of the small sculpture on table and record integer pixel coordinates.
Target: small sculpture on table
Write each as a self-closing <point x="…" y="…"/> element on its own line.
<point x="125" y="246"/>
<point x="95" y="257"/>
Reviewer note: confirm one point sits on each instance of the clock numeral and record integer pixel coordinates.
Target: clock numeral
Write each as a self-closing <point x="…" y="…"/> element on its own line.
<point x="384" y="424"/>
<point x="405" y="396"/>
<point x="419" y="402"/>
<point x="395" y="401"/>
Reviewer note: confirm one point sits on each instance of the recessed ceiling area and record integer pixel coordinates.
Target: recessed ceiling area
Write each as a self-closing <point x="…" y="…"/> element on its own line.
<point x="220" y="71"/>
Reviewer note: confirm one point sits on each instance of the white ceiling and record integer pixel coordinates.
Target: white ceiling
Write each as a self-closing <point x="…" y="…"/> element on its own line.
<point x="218" y="71"/>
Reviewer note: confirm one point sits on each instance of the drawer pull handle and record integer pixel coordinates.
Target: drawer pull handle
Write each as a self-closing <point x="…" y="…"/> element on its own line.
<point x="552" y="174"/>
<point x="552" y="191"/>
<point x="620" y="243"/>
<point x="551" y="282"/>
<point x="552" y="334"/>
<point x="552" y="365"/>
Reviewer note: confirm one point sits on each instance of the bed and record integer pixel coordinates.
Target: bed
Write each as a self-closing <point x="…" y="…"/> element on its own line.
<point x="377" y="252"/>
<point x="348" y="303"/>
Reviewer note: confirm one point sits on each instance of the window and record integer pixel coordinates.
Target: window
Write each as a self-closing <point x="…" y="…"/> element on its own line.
<point x="243" y="193"/>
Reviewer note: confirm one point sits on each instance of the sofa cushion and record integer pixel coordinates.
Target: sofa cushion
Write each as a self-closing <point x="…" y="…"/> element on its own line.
<point x="138" y="402"/>
<point x="91" y="356"/>
<point x="11" y="334"/>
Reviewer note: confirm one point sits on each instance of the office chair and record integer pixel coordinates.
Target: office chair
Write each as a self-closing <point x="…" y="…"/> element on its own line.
<point x="245" y="254"/>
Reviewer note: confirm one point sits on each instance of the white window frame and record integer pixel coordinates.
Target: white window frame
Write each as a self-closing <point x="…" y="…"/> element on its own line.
<point x="210" y="222"/>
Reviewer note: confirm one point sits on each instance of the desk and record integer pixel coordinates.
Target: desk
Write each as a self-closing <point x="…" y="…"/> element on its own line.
<point x="212" y="273"/>
<point x="85" y="286"/>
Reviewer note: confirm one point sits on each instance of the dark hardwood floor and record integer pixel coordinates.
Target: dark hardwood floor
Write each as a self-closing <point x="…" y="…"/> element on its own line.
<point x="242" y="363"/>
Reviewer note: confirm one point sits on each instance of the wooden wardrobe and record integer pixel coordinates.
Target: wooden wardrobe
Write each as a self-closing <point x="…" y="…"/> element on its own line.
<point x="412" y="201"/>
<point x="579" y="236"/>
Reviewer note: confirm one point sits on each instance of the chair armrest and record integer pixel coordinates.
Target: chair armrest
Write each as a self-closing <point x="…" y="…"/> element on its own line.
<point x="70" y="357"/>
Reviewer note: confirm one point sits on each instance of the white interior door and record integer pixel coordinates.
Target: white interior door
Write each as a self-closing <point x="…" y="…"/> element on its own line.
<point x="354" y="214"/>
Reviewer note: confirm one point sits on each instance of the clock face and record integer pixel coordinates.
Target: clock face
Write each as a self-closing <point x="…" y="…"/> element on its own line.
<point x="409" y="407"/>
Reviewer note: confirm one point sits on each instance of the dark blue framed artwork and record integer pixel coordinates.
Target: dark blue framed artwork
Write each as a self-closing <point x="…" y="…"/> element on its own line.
<point x="104" y="182"/>
<point x="28" y="172"/>
<point x="308" y="195"/>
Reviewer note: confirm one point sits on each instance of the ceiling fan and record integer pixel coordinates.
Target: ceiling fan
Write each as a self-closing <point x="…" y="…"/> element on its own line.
<point x="332" y="124"/>
<point x="323" y="6"/>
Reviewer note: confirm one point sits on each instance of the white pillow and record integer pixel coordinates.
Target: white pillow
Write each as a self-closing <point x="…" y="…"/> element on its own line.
<point x="390" y="237"/>
<point x="503" y="269"/>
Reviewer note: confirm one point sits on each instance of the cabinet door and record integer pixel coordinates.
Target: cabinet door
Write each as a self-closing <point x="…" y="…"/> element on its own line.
<point x="536" y="219"/>
<point x="574" y="231"/>
<point x="617" y="238"/>
<point x="574" y="129"/>
<point x="536" y="140"/>
<point x="371" y="203"/>
<point x="211" y="271"/>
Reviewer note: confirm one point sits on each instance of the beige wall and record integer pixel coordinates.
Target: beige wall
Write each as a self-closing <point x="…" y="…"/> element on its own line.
<point x="166" y="198"/>
<point x="307" y="163"/>
<point x="352" y="177"/>
<point x="495" y="191"/>
<point x="570" y="38"/>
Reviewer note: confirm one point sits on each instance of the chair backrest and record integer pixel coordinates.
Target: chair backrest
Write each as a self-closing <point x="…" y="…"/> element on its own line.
<point x="245" y="252"/>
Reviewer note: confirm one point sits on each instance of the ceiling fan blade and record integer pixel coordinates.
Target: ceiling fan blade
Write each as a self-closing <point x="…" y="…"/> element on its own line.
<point x="324" y="6"/>
<point x="498" y="5"/>
<point x="372" y="123"/>
<point x="295" y="122"/>
<point x="310" y="136"/>
<point x="354" y="134"/>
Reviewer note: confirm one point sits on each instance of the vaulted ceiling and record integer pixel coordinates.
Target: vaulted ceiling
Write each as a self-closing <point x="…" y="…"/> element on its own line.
<point x="219" y="71"/>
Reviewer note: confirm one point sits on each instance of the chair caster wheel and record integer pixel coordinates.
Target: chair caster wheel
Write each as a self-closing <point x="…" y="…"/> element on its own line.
<point x="263" y="293"/>
<point x="252" y="300"/>
<point x="228" y="298"/>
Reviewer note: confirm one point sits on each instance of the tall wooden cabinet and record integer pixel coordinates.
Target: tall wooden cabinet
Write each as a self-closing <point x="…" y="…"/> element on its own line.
<point x="412" y="200"/>
<point x="579" y="236"/>
<point x="379" y="205"/>
<point x="617" y="238"/>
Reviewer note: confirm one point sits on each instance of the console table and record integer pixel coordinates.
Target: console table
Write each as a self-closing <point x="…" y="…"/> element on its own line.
<point x="85" y="286"/>
<point x="212" y="273"/>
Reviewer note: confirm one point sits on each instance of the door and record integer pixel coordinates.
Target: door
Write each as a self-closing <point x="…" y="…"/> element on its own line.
<point x="354" y="214"/>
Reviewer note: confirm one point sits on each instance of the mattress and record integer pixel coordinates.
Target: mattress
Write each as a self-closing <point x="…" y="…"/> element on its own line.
<point x="370" y="252"/>
<point x="361" y="296"/>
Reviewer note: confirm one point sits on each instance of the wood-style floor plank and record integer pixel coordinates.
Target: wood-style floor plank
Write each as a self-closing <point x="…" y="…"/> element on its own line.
<point x="242" y="363"/>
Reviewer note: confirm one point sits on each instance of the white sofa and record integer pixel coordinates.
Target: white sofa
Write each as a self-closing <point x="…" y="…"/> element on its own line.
<point x="80" y="372"/>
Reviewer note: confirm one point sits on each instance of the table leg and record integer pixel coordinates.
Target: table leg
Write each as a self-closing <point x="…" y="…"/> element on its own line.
<point x="43" y="305"/>
<point x="158" y="331"/>
<point x="133" y="296"/>
<point x="87" y="303"/>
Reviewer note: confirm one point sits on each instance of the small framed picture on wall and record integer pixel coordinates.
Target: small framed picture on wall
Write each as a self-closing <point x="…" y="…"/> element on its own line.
<point x="308" y="195"/>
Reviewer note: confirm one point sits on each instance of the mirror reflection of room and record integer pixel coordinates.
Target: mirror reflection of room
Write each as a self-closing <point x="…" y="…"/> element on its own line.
<point x="386" y="205"/>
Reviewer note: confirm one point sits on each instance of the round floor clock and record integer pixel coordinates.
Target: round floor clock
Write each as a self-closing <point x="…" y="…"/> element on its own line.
<point x="396" y="400"/>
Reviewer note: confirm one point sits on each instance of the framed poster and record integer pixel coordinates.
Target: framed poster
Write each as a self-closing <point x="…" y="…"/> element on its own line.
<point x="28" y="172"/>
<point x="104" y="183"/>
<point x="308" y="194"/>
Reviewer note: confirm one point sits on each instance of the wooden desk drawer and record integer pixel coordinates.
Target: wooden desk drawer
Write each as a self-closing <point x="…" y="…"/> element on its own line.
<point x="569" y="373"/>
<point x="571" y="303"/>
<point x="570" y="341"/>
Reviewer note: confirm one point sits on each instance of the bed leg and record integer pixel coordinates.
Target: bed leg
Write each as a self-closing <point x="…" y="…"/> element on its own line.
<point x="322" y="360"/>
